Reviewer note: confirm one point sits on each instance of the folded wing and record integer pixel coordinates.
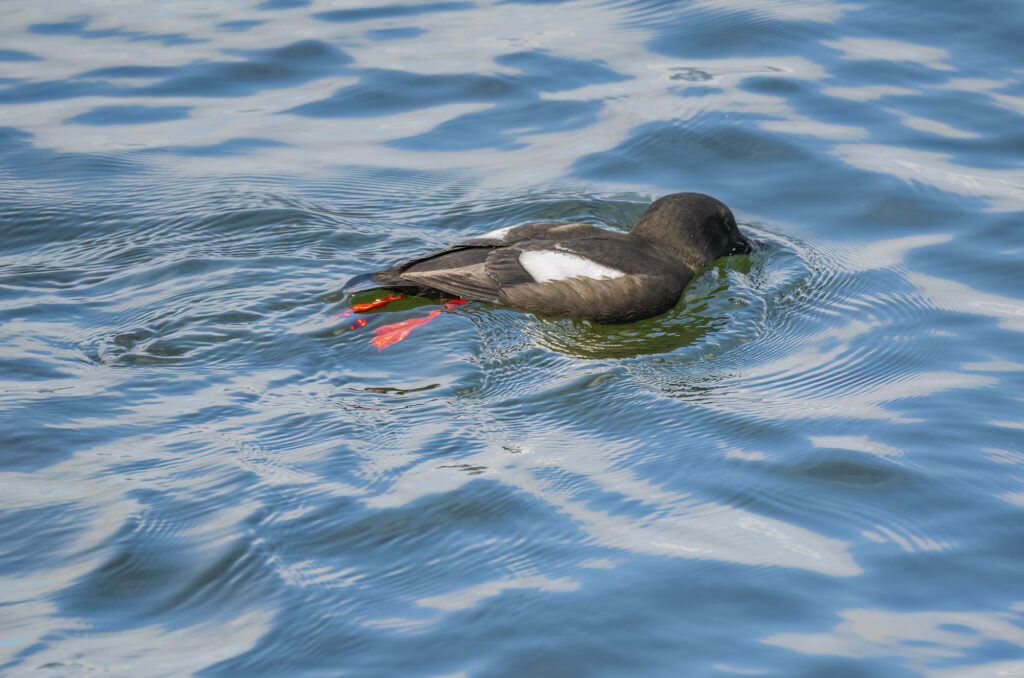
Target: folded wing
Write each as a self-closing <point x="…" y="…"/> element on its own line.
<point x="555" y="268"/>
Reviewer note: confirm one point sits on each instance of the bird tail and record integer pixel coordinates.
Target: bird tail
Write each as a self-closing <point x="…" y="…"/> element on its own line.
<point x="388" y="279"/>
<point x="363" y="281"/>
<point x="376" y="280"/>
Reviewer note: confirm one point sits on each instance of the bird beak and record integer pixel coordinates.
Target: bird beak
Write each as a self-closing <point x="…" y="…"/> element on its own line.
<point x="742" y="246"/>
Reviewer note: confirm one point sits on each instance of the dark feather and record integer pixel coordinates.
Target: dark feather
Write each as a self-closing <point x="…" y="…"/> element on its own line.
<point x="456" y="257"/>
<point x="504" y="267"/>
<point x="608" y="300"/>
<point x="362" y="281"/>
<point x="467" y="282"/>
<point x="677" y="236"/>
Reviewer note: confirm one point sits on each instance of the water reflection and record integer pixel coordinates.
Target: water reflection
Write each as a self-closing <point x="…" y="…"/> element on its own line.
<point x="932" y="126"/>
<point x="682" y="526"/>
<point x="858" y="444"/>
<point x="1001" y="188"/>
<point x="130" y="650"/>
<point x="466" y="598"/>
<point x="987" y="87"/>
<point x="868" y="92"/>
<point x="259" y="72"/>
<point x="192" y="69"/>
<point x="859" y="49"/>
<point x="793" y="10"/>
<point x="961" y="298"/>
<point x="926" y="642"/>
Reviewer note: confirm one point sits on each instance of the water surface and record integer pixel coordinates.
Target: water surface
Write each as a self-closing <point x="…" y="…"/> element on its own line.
<point x="812" y="466"/>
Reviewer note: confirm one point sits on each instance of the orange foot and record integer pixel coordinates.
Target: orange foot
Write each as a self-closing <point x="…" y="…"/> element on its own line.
<point x="386" y="335"/>
<point x="368" y="306"/>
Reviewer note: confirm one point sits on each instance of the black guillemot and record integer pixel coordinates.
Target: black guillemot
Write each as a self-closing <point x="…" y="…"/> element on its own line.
<point x="578" y="270"/>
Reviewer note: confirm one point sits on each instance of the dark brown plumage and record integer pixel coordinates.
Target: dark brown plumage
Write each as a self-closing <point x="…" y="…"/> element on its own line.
<point x="578" y="270"/>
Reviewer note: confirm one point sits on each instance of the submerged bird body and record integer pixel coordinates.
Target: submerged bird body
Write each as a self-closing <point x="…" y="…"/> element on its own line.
<point x="578" y="270"/>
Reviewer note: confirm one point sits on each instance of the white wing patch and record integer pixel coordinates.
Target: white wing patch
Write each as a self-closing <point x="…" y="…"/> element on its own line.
<point x="548" y="265"/>
<point x="496" y="234"/>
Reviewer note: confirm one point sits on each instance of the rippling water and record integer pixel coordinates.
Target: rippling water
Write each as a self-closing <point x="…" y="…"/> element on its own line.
<point x="812" y="466"/>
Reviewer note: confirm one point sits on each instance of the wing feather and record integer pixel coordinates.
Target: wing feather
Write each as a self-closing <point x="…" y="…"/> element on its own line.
<point x="581" y="271"/>
<point x="466" y="282"/>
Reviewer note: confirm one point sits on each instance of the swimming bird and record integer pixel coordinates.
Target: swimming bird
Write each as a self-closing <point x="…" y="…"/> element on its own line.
<point x="578" y="270"/>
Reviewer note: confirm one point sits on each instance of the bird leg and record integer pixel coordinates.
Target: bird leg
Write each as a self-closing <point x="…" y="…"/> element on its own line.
<point x="395" y="332"/>
<point x="368" y="306"/>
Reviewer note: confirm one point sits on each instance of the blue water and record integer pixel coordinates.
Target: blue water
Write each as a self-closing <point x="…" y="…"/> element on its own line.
<point x="812" y="466"/>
